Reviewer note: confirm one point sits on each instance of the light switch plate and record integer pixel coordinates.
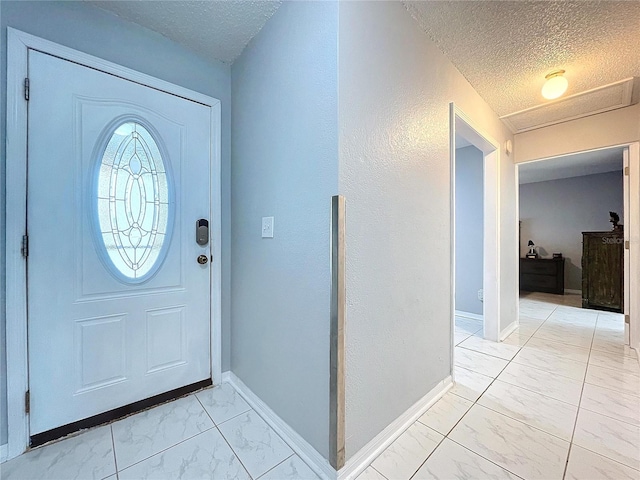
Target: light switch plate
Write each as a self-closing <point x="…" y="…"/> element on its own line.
<point x="267" y="227"/>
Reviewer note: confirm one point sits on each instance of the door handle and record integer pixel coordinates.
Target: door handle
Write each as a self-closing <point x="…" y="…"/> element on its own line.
<point x="202" y="259"/>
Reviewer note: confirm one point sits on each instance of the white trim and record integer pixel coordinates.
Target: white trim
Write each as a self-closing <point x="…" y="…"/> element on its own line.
<point x="516" y="233"/>
<point x="299" y="445"/>
<point x="473" y="316"/>
<point x="462" y="124"/>
<point x="572" y="291"/>
<point x="509" y="330"/>
<point x="3" y="452"/>
<point x="634" y="240"/>
<point x="18" y="44"/>
<point x="625" y="101"/>
<point x="367" y="454"/>
<point x="626" y="294"/>
<point x="452" y="233"/>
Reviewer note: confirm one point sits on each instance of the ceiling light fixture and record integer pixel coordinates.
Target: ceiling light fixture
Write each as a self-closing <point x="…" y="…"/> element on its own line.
<point x="555" y="85"/>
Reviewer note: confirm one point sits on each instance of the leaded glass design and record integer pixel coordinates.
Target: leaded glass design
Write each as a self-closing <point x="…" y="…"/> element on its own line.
<point x="133" y="201"/>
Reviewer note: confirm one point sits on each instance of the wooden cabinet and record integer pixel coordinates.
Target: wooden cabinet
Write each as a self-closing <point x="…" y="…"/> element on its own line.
<point x="542" y="275"/>
<point x="603" y="270"/>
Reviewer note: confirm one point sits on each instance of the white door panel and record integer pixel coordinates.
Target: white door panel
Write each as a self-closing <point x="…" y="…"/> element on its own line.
<point x="97" y="340"/>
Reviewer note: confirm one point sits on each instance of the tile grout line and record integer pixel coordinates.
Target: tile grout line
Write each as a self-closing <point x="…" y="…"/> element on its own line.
<point x="168" y="448"/>
<point x="233" y="451"/>
<point x="215" y="425"/>
<point x="113" y="445"/>
<point x="269" y="426"/>
<point x="575" y="424"/>
<point x="612" y="389"/>
<point x="175" y="444"/>
<point x="432" y="451"/>
<point x="276" y="465"/>
<point x="475" y="402"/>
<point x="482" y="456"/>
<point x="383" y="476"/>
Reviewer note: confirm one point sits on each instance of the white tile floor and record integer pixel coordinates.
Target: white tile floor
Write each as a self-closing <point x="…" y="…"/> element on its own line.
<point x="211" y="434"/>
<point x="560" y="398"/>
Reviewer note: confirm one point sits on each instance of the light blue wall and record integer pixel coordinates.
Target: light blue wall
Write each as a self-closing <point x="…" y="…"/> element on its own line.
<point x="285" y="164"/>
<point x="469" y="228"/>
<point x="94" y="31"/>
<point x="555" y="213"/>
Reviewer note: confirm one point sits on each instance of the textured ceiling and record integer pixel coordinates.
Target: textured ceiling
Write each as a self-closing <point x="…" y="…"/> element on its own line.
<point x="216" y="29"/>
<point x="580" y="164"/>
<point x="505" y="48"/>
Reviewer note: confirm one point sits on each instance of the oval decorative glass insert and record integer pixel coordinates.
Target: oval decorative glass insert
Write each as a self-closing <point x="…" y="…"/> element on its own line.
<point x="133" y="202"/>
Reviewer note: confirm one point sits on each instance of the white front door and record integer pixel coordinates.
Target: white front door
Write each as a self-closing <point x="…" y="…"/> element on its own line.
<point x="118" y="304"/>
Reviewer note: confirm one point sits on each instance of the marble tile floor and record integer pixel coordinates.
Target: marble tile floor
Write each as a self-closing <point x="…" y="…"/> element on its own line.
<point x="558" y="399"/>
<point x="211" y="434"/>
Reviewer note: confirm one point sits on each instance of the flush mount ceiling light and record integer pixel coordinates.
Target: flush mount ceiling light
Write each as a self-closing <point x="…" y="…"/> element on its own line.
<point x="555" y="85"/>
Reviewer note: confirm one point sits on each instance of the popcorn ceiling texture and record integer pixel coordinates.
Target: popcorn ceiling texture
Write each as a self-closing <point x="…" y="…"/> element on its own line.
<point x="216" y="29"/>
<point x="505" y="48"/>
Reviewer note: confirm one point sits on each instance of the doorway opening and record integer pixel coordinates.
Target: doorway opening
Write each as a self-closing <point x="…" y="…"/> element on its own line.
<point x="578" y="222"/>
<point x="475" y="256"/>
<point x="469" y="240"/>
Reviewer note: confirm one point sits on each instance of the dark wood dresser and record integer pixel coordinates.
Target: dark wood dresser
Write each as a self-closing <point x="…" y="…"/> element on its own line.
<point x="542" y="275"/>
<point x="603" y="270"/>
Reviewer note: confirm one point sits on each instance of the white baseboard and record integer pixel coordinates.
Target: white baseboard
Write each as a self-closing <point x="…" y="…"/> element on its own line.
<point x="508" y="331"/>
<point x="573" y="292"/>
<point x="474" y="316"/>
<point x="361" y="460"/>
<point x="310" y="455"/>
<point x="3" y="453"/>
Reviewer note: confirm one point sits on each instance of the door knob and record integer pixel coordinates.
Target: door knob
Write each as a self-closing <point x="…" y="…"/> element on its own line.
<point x="202" y="259"/>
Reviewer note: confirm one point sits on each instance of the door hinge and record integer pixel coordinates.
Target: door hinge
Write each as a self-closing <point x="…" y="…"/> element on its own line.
<point x="26" y="89"/>
<point x="626" y="244"/>
<point x="27" y="402"/>
<point x="626" y="171"/>
<point x="24" y="248"/>
<point x="627" y="319"/>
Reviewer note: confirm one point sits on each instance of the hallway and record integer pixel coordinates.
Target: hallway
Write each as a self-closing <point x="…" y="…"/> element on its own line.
<point x="513" y="410"/>
<point x="561" y="386"/>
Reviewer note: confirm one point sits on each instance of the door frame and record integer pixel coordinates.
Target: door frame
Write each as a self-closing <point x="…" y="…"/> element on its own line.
<point x="18" y="45"/>
<point x="631" y="221"/>
<point x="490" y="148"/>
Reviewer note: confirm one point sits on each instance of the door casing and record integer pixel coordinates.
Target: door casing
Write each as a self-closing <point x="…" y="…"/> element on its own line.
<point x="18" y="45"/>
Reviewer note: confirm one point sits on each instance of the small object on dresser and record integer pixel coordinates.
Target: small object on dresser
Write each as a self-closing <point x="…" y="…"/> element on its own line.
<point x="557" y="255"/>
<point x="532" y="250"/>
<point x="614" y="218"/>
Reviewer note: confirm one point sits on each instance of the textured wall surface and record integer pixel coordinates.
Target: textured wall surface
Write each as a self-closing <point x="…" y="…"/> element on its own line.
<point x="598" y="131"/>
<point x="554" y="214"/>
<point x="469" y="228"/>
<point x="395" y="87"/>
<point x="102" y="34"/>
<point x="520" y="42"/>
<point x="285" y="164"/>
<point x="218" y="30"/>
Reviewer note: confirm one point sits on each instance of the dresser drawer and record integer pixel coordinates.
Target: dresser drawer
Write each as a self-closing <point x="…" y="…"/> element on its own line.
<point x="538" y="281"/>
<point x="542" y="275"/>
<point x="538" y="267"/>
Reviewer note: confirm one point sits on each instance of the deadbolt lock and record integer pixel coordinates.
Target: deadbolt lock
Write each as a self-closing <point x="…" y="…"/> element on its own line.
<point x="202" y="259"/>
